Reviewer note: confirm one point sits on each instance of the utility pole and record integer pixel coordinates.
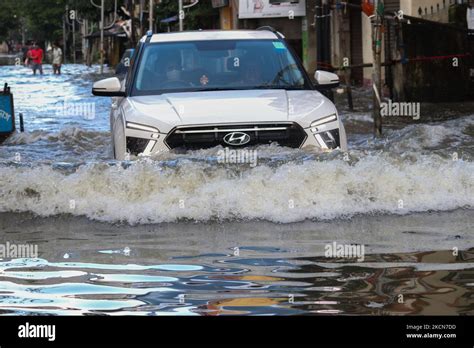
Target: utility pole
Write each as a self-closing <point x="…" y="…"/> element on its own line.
<point x="181" y="15"/>
<point x="23" y="32"/>
<point x="140" y="6"/>
<point x="84" y="26"/>
<point x="377" y="67"/>
<point x="131" y="10"/>
<point x="102" y="37"/>
<point x="64" y="36"/>
<point x="151" y="15"/>
<point x="74" y="38"/>
<point x="344" y="32"/>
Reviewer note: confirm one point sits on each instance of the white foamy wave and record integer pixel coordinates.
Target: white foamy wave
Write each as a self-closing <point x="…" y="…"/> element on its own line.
<point x="69" y="134"/>
<point x="27" y="137"/>
<point x="426" y="136"/>
<point x="147" y="192"/>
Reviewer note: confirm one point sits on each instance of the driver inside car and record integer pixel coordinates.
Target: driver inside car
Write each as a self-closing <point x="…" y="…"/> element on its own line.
<point x="251" y="72"/>
<point x="173" y="72"/>
<point x="174" y="77"/>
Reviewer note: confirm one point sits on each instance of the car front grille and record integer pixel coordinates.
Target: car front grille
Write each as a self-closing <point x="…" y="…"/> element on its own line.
<point x="288" y="134"/>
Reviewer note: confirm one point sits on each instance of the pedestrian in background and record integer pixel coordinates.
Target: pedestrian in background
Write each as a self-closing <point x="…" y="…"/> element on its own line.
<point x="36" y="59"/>
<point x="57" y="59"/>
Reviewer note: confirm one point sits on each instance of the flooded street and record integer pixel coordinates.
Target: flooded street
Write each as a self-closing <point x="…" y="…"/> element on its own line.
<point x="181" y="234"/>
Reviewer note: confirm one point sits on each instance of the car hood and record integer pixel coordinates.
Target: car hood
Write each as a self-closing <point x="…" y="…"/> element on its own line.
<point x="196" y="108"/>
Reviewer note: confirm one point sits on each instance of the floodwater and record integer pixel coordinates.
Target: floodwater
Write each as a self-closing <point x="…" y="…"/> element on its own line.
<point x="181" y="234"/>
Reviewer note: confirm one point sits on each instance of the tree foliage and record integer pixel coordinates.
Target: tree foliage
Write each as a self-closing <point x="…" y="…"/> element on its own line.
<point x="201" y="16"/>
<point x="42" y="20"/>
<point x="9" y="18"/>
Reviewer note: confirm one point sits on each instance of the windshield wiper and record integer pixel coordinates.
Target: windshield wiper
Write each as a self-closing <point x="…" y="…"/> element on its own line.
<point x="243" y="88"/>
<point x="278" y="87"/>
<point x="211" y="89"/>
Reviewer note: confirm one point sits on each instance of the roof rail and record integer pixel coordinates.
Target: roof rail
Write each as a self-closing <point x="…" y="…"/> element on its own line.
<point x="149" y="34"/>
<point x="273" y="30"/>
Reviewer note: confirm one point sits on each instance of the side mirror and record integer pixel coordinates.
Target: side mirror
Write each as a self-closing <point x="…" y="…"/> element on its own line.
<point x="108" y="88"/>
<point x="326" y="79"/>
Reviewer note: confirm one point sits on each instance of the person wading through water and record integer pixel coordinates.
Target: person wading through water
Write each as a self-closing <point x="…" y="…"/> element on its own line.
<point x="36" y="59"/>
<point x="57" y="59"/>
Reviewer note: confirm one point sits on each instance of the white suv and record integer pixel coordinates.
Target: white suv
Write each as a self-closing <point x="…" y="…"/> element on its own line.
<point x="200" y="89"/>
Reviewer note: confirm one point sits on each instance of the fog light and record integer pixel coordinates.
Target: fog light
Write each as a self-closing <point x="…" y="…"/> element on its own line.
<point x="136" y="146"/>
<point x="328" y="140"/>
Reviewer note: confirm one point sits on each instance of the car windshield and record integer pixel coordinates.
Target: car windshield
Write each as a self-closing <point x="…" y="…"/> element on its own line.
<point x="216" y="65"/>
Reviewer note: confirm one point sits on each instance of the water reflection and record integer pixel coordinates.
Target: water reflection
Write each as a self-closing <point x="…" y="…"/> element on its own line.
<point x="193" y="269"/>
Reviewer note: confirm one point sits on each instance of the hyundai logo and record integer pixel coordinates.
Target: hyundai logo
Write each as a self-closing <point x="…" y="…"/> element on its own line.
<point x="236" y="138"/>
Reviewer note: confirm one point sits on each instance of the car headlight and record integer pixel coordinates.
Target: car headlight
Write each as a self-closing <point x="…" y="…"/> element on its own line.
<point x="142" y="127"/>
<point x="323" y="120"/>
<point x="326" y="139"/>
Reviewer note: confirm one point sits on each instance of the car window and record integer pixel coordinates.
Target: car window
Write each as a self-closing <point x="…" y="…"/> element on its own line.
<point x="218" y="64"/>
